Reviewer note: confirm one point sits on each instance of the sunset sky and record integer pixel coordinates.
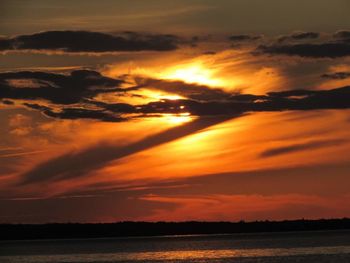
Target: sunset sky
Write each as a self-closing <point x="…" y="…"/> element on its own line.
<point x="174" y="110"/>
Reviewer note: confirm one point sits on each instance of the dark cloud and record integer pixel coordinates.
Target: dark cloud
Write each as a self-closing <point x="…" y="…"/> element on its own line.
<point x="76" y="113"/>
<point x="342" y="34"/>
<point x="87" y="41"/>
<point x="246" y="97"/>
<point x="274" y="101"/>
<point x="313" y="145"/>
<point x="58" y="88"/>
<point x="304" y="35"/>
<point x="306" y="100"/>
<point x="299" y="36"/>
<point x="241" y="38"/>
<point x="336" y="75"/>
<point x="240" y="103"/>
<point x="292" y="93"/>
<point x="115" y="107"/>
<point x="5" y="44"/>
<point x="7" y="102"/>
<point x="81" y="87"/>
<point x="37" y="107"/>
<point x="237" y="104"/>
<point x="323" y="50"/>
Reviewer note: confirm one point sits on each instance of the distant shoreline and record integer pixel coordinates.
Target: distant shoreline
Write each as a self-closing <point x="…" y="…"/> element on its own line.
<point x="149" y="229"/>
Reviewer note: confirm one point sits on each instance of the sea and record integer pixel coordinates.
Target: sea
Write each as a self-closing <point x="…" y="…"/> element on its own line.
<point x="315" y="246"/>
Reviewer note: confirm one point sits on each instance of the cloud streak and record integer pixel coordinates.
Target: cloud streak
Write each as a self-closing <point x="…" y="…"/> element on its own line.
<point x="299" y="36"/>
<point x="336" y="75"/>
<point x="312" y="145"/>
<point x="319" y="50"/>
<point x="76" y="164"/>
<point x="243" y="38"/>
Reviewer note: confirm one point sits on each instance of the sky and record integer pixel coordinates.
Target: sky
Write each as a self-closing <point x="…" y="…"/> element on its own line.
<point x="174" y="110"/>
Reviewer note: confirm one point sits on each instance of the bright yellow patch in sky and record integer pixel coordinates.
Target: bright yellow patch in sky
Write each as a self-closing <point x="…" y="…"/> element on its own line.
<point x="178" y="118"/>
<point x="159" y="95"/>
<point x="194" y="72"/>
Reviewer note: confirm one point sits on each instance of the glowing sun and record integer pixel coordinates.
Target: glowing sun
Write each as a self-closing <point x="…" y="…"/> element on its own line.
<point x="194" y="72"/>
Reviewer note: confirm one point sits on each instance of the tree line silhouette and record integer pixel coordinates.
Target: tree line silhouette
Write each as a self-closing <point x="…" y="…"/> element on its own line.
<point x="132" y="229"/>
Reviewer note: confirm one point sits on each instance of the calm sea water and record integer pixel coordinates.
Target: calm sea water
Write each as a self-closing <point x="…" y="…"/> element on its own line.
<point x="323" y="246"/>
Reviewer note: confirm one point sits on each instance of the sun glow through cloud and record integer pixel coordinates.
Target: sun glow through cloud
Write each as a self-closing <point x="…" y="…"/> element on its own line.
<point x="195" y="72"/>
<point x="159" y="95"/>
<point x="178" y="118"/>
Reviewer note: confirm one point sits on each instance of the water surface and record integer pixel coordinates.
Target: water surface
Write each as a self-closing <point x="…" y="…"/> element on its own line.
<point x="321" y="246"/>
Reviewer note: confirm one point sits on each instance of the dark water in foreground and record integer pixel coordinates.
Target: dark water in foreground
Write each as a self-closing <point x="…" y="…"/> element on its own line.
<point x="322" y="246"/>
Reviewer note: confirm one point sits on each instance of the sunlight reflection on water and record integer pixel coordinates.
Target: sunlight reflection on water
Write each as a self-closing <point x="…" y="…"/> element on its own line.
<point x="186" y="256"/>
